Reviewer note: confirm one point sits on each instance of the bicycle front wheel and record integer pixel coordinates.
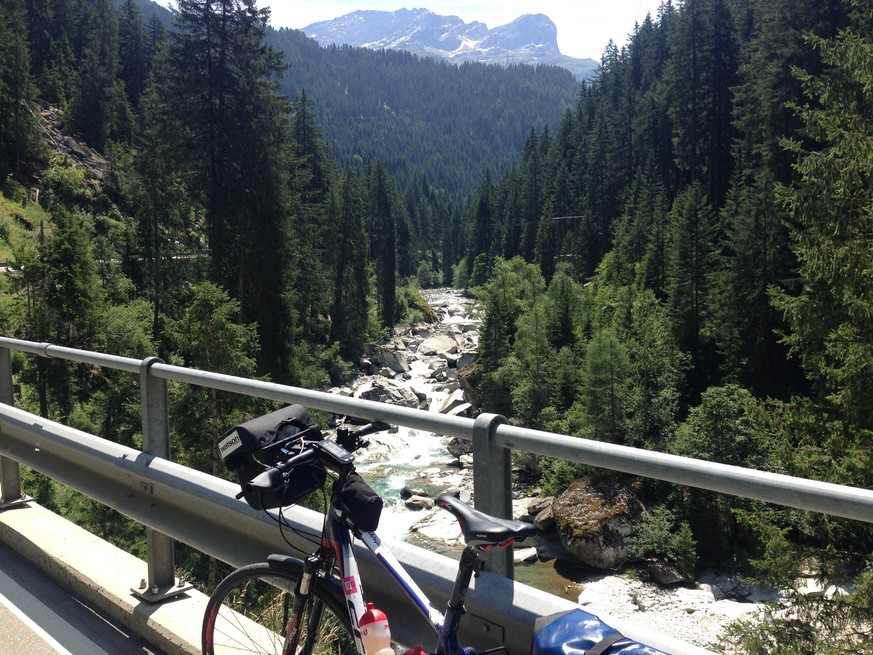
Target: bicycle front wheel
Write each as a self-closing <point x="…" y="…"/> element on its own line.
<point x="252" y="611"/>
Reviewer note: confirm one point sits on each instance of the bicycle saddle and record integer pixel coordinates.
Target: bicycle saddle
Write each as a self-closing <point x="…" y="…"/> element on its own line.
<point x="482" y="530"/>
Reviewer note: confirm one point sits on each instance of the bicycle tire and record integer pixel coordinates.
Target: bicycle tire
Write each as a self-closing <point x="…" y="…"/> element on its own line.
<point x="250" y="612"/>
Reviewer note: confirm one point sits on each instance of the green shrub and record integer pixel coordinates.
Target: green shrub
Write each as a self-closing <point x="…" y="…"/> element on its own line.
<point x="659" y="537"/>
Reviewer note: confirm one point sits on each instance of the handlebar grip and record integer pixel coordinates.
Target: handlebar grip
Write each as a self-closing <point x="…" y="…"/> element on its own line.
<point x="269" y="479"/>
<point x="274" y="477"/>
<point x="370" y="428"/>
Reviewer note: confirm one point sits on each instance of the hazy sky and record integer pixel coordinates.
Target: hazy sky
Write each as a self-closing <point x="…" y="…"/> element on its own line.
<point x="584" y="26"/>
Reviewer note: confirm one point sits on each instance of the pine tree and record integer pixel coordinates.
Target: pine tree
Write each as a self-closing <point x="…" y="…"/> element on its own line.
<point x="382" y="210"/>
<point x="17" y="118"/>
<point x="832" y="204"/>
<point x="225" y="97"/>
<point x="99" y="108"/>
<point x="690" y="265"/>
<point x="135" y="58"/>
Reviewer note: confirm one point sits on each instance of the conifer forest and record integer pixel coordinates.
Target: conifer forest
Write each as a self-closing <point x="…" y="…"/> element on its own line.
<point x="676" y="255"/>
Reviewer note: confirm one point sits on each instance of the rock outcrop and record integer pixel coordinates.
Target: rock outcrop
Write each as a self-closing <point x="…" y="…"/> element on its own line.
<point x="594" y="519"/>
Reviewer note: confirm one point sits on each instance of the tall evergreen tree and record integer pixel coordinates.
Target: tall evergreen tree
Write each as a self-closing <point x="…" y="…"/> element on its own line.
<point x="480" y="231"/>
<point x="17" y="118"/>
<point x="58" y="36"/>
<point x="700" y="75"/>
<point x="311" y="175"/>
<point x="166" y="214"/>
<point x="100" y="109"/>
<point x="349" y="308"/>
<point x="832" y="205"/>
<point x="532" y="189"/>
<point x="690" y="266"/>
<point x="382" y="208"/>
<point x="134" y="51"/>
<point x="225" y="95"/>
<point x="756" y="253"/>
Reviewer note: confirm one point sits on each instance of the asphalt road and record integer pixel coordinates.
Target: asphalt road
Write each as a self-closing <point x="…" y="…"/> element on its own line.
<point x="38" y="617"/>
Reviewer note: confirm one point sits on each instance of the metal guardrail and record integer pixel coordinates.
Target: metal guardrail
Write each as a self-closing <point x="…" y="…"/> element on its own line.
<point x="201" y="511"/>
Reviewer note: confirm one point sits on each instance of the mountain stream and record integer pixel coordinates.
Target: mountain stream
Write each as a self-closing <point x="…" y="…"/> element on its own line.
<point x="411" y="462"/>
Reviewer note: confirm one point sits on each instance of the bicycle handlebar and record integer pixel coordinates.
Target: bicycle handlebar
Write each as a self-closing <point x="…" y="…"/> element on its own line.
<point x="336" y="455"/>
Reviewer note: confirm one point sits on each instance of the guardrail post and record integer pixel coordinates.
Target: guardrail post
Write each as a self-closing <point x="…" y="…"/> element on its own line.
<point x="156" y="441"/>
<point x="492" y="485"/>
<point x="10" y="477"/>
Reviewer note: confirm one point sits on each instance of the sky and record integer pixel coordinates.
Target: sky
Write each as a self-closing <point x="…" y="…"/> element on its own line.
<point x="584" y="26"/>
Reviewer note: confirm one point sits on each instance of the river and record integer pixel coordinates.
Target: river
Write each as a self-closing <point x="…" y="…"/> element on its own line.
<point x="411" y="459"/>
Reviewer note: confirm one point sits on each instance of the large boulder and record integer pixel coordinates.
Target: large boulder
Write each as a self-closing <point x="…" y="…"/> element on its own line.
<point x="458" y="447"/>
<point x="594" y="519"/>
<point x="390" y="357"/>
<point x="441" y="345"/>
<point x="386" y="390"/>
<point x="455" y="404"/>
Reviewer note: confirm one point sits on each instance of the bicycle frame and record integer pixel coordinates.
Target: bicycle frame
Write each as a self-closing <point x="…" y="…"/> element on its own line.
<point x="337" y="539"/>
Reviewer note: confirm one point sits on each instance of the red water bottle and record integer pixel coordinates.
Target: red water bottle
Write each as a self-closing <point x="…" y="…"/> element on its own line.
<point x="415" y="650"/>
<point x="375" y="632"/>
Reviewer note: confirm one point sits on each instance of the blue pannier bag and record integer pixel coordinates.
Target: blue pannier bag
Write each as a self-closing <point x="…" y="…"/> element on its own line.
<point x="579" y="633"/>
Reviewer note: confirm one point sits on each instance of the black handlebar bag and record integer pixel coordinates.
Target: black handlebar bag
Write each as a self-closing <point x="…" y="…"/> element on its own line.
<point x="252" y="447"/>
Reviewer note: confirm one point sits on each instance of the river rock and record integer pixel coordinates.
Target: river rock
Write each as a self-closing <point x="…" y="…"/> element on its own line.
<point x="664" y="574"/>
<point x="408" y="492"/>
<point x="594" y="519"/>
<point x="389" y="356"/>
<point x="470" y="392"/>
<point x="386" y="390"/>
<point x="417" y="503"/>
<point x="525" y="555"/>
<point x="458" y="447"/>
<point x="455" y="404"/>
<point x="441" y="345"/>
<point x="545" y="519"/>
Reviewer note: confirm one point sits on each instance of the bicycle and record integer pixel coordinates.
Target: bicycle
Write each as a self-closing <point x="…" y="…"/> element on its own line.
<point x="313" y="606"/>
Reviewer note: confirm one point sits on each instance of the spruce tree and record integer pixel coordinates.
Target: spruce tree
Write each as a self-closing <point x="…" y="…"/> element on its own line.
<point x="700" y="75"/>
<point x="350" y="306"/>
<point x="225" y="98"/>
<point x="134" y="55"/>
<point x="382" y="210"/>
<point x="690" y="266"/>
<point x="17" y="118"/>
<point x="100" y="109"/>
<point x="756" y="254"/>
<point x="832" y="204"/>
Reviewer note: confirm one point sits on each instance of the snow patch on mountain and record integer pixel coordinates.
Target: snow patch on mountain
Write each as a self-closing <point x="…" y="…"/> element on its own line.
<point x="529" y="39"/>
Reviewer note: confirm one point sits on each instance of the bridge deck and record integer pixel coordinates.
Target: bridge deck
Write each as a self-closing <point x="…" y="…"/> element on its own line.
<point x="39" y="617"/>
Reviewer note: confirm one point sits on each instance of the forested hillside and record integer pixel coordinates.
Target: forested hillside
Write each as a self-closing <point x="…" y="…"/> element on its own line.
<point x="420" y="117"/>
<point x="215" y="168"/>
<point x="685" y="265"/>
<point x="424" y="119"/>
<point x="160" y="194"/>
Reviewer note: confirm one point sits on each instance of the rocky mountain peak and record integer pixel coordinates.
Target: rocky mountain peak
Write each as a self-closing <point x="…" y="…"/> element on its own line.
<point x="529" y="39"/>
